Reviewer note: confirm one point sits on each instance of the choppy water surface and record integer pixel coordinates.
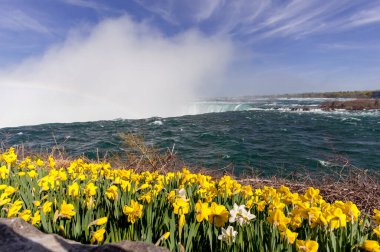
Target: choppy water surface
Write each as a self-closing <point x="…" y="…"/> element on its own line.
<point x="265" y="134"/>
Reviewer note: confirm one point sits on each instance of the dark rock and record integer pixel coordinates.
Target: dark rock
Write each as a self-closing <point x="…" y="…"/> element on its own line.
<point x="17" y="235"/>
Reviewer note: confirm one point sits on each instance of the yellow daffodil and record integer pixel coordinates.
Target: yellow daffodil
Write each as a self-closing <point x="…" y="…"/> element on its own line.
<point x="9" y="157"/>
<point x="4" y="172"/>
<point x="112" y="192"/>
<point x="32" y="174"/>
<point x="181" y="206"/>
<point x="4" y="200"/>
<point x="25" y="215"/>
<point x="51" y="162"/>
<point x="73" y="190"/>
<point x="372" y="246"/>
<point x="46" y="207"/>
<point x="336" y="218"/>
<point x="125" y="185"/>
<point x="278" y="218"/>
<point x="351" y="211"/>
<point x="9" y="190"/>
<point x="36" y="219"/>
<point x="98" y="236"/>
<point x="133" y="211"/>
<point x="290" y="236"/>
<point x="147" y="197"/>
<point x="307" y="246"/>
<point x="261" y="206"/>
<point x="218" y="215"/>
<point x="101" y="221"/>
<point x="90" y="189"/>
<point x="14" y="209"/>
<point x="39" y="162"/>
<point x="203" y="211"/>
<point x="67" y="210"/>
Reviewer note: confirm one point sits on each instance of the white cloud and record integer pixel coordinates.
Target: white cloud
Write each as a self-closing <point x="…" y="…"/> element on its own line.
<point x="121" y="69"/>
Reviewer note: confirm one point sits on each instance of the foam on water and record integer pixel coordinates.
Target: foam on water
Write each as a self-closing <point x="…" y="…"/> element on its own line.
<point x="157" y="122"/>
<point x="297" y="105"/>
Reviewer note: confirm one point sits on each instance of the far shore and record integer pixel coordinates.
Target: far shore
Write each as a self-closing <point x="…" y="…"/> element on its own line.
<point x="357" y="104"/>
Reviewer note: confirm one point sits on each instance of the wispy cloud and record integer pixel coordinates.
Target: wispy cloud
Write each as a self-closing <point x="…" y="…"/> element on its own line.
<point x="163" y="10"/>
<point x="365" y="17"/>
<point x="207" y="10"/>
<point x="88" y="4"/>
<point x="17" y="20"/>
<point x="265" y="18"/>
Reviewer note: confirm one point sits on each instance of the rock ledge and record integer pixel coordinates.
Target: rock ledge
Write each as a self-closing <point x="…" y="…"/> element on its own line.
<point x="17" y="235"/>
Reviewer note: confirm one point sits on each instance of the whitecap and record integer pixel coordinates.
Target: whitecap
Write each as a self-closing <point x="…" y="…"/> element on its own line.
<point x="158" y="122"/>
<point x="326" y="163"/>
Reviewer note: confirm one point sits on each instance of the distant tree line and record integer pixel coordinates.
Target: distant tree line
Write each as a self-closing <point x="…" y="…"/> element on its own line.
<point x="368" y="94"/>
<point x="340" y="94"/>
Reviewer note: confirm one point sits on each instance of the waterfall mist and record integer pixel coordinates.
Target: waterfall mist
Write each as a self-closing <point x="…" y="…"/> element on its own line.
<point x="117" y="69"/>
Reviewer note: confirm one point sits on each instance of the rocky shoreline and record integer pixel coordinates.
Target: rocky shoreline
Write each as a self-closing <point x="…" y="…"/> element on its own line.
<point x="350" y="105"/>
<point x="358" y="104"/>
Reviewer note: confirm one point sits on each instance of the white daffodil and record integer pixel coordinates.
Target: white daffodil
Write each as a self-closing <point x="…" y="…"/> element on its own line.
<point x="240" y="214"/>
<point x="228" y="235"/>
<point x="182" y="193"/>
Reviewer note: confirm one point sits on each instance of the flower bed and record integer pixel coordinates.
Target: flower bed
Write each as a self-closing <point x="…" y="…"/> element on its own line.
<point x="94" y="203"/>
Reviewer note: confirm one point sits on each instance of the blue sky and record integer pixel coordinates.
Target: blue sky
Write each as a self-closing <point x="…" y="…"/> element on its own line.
<point x="84" y="49"/>
<point x="331" y="44"/>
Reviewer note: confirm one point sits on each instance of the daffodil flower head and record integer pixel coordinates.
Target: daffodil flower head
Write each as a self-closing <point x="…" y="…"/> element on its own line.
<point x="307" y="246"/>
<point x="228" y="235"/>
<point x="67" y="210"/>
<point x="240" y="215"/>
<point x="218" y="214"/>
<point x="98" y="236"/>
<point x="203" y="211"/>
<point x="133" y="211"/>
<point x="371" y="245"/>
<point x="25" y="215"/>
<point x="181" y="206"/>
<point x="46" y="207"/>
<point x="112" y="192"/>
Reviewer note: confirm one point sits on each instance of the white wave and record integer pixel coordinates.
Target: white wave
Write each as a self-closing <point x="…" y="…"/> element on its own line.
<point x="325" y="163"/>
<point x="216" y="107"/>
<point x="296" y="107"/>
<point x="157" y="122"/>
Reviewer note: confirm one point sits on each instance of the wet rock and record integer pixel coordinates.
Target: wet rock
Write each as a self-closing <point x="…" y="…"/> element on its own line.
<point x="17" y="235"/>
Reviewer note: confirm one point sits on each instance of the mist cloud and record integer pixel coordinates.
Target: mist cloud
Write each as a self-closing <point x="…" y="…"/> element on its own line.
<point x="119" y="69"/>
